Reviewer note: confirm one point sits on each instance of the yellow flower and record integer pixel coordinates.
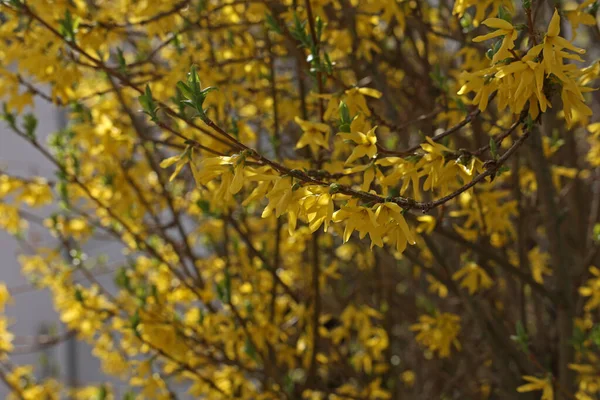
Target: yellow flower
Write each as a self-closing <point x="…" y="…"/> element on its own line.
<point x="553" y="44"/>
<point x="319" y="210"/>
<point x="408" y="378"/>
<point x="539" y="264"/>
<point x="427" y="223"/>
<point x="365" y="144"/>
<point x="530" y="75"/>
<point x="4" y="296"/>
<point x="579" y="16"/>
<point x="474" y="278"/>
<point x="438" y="333"/>
<point x="315" y="135"/>
<point x="588" y="377"/>
<point x="481" y="6"/>
<point x="10" y="219"/>
<point x="591" y="289"/>
<point x="36" y="193"/>
<point x="437" y="287"/>
<point x="180" y="161"/>
<point x="355" y="99"/>
<point x="503" y="28"/>
<point x="357" y="218"/>
<point x="593" y="155"/>
<point x="537" y="384"/>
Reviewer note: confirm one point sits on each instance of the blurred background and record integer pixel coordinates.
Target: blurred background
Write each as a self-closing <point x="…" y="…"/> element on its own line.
<point x="40" y="337"/>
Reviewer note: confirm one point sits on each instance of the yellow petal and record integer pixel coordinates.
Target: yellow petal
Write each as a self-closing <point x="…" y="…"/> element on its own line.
<point x="488" y="36"/>
<point x="370" y="92"/>
<point x="554" y="27"/>
<point x="497" y="23"/>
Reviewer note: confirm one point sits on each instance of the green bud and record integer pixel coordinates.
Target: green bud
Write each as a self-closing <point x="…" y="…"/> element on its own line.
<point x="334" y="188"/>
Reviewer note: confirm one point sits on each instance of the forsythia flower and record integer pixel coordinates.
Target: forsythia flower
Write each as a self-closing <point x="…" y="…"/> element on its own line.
<point x="579" y="16"/>
<point x="437" y="287"/>
<point x="589" y="380"/>
<point x="461" y="6"/>
<point x="180" y="161"/>
<point x="593" y="156"/>
<point x="10" y="219"/>
<point x="4" y="296"/>
<point x="365" y="144"/>
<point x="315" y="135"/>
<point x="539" y="264"/>
<point x="503" y="28"/>
<point x="36" y="193"/>
<point x="537" y="384"/>
<point x="591" y="289"/>
<point x="522" y="80"/>
<point x="553" y="45"/>
<point x="355" y="99"/>
<point x="438" y="333"/>
<point x="474" y="278"/>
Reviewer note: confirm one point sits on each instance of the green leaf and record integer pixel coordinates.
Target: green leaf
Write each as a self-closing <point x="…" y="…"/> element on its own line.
<point x="194" y="80"/>
<point x="595" y="335"/>
<point x="319" y="28"/>
<point x="68" y="26"/>
<point x="272" y="24"/>
<point x="102" y="393"/>
<point x="224" y="288"/>
<point x="495" y="48"/>
<point x="193" y="92"/>
<point x="413" y="158"/>
<point x="328" y="64"/>
<point x="179" y="101"/>
<point x="235" y="128"/>
<point x="529" y="122"/>
<point x="122" y="280"/>
<point x="502" y="170"/>
<point x="185" y="90"/>
<point x="578" y="339"/>
<point x="135" y="321"/>
<point x="9" y="117"/>
<point x="298" y="32"/>
<point x="149" y="106"/>
<point x="29" y="125"/>
<point x="504" y="14"/>
<point x="521" y="337"/>
<point x="204" y="205"/>
<point x="493" y="148"/>
<point x="207" y="90"/>
<point x="596" y="233"/>
<point x="79" y="295"/>
<point x="345" y="118"/>
<point x="121" y="61"/>
<point x="249" y="349"/>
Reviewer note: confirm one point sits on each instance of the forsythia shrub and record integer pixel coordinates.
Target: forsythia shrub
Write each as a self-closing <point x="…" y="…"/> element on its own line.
<point x="316" y="199"/>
